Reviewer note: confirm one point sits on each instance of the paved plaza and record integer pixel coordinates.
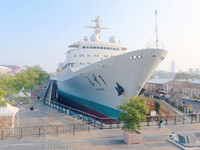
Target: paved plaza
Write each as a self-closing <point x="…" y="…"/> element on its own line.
<point x="96" y="139"/>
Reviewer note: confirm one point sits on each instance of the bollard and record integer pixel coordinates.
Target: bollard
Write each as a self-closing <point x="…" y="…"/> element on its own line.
<point x="73" y="129"/>
<point x="101" y="126"/>
<point x="2" y="135"/>
<point x="88" y="120"/>
<point x="191" y="118"/>
<point x="88" y="128"/>
<point x="83" y="118"/>
<point x="148" y="121"/>
<point x="94" y="122"/>
<point x="57" y="131"/>
<point x="118" y="125"/>
<point x="39" y="132"/>
<point x="183" y="119"/>
<point x="73" y="114"/>
<point x="174" y="119"/>
<point x="78" y="116"/>
<point x="199" y="117"/>
<point x="21" y="132"/>
<point x="166" y="121"/>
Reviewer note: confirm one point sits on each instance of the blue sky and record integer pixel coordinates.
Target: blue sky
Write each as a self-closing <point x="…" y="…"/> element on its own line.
<point x="38" y="31"/>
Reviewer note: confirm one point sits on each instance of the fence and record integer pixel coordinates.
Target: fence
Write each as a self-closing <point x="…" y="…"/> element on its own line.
<point x="105" y="123"/>
<point x="44" y="130"/>
<point x="173" y="119"/>
<point x="182" y="107"/>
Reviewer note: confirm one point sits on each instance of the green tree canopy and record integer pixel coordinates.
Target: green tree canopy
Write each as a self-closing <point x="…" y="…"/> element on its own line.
<point x="22" y="81"/>
<point x="156" y="106"/>
<point x="133" y="112"/>
<point x="186" y="76"/>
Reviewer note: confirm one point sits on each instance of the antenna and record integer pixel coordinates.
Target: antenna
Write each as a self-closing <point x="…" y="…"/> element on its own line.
<point x="156" y="29"/>
<point x="97" y="28"/>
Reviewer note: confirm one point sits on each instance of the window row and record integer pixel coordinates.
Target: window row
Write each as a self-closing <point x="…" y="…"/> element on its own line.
<point x="94" y="47"/>
<point x="138" y="56"/>
<point x="82" y="63"/>
<point x="88" y="55"/>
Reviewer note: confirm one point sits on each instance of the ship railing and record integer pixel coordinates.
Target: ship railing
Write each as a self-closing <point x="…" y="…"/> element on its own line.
<point x="154" y="45"/>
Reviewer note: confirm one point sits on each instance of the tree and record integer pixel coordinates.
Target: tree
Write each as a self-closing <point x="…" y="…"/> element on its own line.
<point x="133" y="112"/>
<point x="3" y="102"/>
<point x="23" y="81"/>
<point x="156" y="106"/>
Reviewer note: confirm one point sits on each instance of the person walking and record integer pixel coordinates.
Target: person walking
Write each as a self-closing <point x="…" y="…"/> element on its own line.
<point x="160" y="123"/>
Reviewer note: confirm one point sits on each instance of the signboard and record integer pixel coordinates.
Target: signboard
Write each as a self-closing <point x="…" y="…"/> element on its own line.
<point x="153" y="113"/>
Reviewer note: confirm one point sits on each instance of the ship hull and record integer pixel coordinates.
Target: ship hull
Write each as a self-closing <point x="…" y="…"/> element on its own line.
<point x="100" y="87"/>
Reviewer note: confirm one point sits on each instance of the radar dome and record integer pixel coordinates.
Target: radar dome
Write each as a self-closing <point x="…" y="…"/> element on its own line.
<point x="94" y="37"/>
<point x="113" y="39"/>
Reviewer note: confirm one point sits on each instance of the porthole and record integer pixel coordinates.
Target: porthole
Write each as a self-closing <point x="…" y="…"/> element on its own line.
<point x="154" y="55"/>
<point x="131" y="57"/>
<point x="162" y="58"/>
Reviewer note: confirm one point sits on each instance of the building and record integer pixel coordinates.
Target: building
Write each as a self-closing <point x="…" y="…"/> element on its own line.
<point x="197" y="71"/>
<point x="190" y="71"/>
<point x="173" y="66"/>
<point x="192" y="89"/>
<point x="158" y="87"/>
<point x="174" y="88"/>
<point x="8" y="69"/>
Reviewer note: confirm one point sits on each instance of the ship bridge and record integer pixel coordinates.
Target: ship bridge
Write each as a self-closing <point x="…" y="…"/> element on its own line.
<point x="87" y="52"/>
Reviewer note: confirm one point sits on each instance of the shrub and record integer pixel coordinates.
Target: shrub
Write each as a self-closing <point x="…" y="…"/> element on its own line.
<point x="133" y="112"/>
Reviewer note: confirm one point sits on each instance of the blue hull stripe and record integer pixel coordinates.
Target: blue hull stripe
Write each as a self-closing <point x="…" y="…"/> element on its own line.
<point x="107" y="111"/>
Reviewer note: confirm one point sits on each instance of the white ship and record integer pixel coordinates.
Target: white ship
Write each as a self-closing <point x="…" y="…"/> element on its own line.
<point x="97" y="75"/>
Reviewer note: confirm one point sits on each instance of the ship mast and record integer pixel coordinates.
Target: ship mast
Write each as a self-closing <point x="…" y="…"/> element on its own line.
<point x="97" y="28"/>
<point x="156" y="29"/>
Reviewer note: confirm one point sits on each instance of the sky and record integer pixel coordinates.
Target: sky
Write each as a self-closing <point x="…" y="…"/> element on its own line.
<point x="38" y="32"/>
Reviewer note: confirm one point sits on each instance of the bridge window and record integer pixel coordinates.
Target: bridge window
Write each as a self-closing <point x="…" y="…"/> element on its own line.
<point x="90" y="47"/>
<point x="104" y="47"/>
<point x="87" y="46"/>
<point x="74" y="55"/>
<point x="94" y="47"/>
<point x="83" y="46"/>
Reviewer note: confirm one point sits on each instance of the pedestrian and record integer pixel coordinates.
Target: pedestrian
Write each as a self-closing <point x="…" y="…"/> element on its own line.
<point x="160" y="123"/>
<point x="172" y="136"/>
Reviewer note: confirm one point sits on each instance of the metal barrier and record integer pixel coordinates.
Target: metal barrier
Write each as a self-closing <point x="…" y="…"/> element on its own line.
<point x="44" y="130"/>
<point x="170" y="119"/>
<point x="173" y="119"/>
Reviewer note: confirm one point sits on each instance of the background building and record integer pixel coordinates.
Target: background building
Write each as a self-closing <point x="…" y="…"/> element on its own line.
<point x="8" y="69"/>
<point x="173" y="66"/>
